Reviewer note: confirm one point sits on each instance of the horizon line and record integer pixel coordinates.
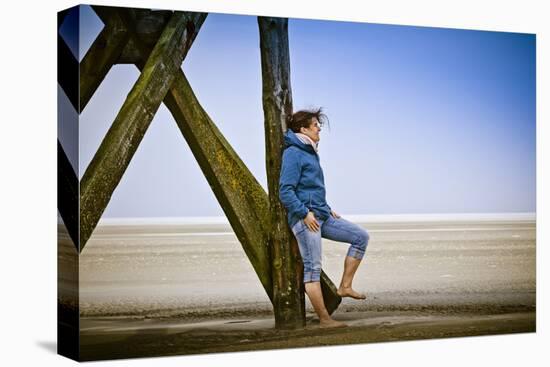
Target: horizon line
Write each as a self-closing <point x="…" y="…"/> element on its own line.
<point x="404" y="217"/>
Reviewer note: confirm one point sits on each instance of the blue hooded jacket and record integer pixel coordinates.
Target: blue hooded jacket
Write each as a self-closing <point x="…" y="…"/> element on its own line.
<point x="302" y="184"/>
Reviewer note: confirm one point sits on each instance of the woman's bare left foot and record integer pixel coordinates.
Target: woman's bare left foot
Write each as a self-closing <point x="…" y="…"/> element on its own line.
<point x="349" y="292"/>
<point x="331" y="323"/>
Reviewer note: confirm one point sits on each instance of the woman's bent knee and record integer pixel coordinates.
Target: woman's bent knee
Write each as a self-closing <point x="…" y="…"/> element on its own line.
<point x="359" y="245"/>
<point x="365" y="238"/>
<point x="362" y="239"/>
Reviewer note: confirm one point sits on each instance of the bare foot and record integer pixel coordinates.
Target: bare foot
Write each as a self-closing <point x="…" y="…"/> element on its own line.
<point x="349" y="292"/>
<point x="331" y="323"/>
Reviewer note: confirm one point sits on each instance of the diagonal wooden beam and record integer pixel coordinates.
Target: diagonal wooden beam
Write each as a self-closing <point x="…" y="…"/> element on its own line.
<point x="241" y="197"/>
<point x="101" y="56"/>
<point x="287" y="272"/>
<point x="67" y="194"/>
<point x="121" y="141"/>
<point x="67" y="63"/>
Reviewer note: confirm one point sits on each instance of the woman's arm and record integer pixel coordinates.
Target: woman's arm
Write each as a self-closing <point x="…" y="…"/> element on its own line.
<point x="291" y="171"/>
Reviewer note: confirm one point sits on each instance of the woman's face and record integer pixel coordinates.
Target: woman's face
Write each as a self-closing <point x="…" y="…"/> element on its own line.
<point x="313" y="131"/>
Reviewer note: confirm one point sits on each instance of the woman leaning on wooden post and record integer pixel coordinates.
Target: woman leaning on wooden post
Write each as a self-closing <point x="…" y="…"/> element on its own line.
<point x="302" y="192"/>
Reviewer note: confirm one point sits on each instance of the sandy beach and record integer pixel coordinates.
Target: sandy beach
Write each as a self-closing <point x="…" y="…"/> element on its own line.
<point x="169" y="289"/>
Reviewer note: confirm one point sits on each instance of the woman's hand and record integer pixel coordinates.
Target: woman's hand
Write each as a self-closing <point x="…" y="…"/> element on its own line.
<point x="334" y="214"/>
<point x="311" y="222"/>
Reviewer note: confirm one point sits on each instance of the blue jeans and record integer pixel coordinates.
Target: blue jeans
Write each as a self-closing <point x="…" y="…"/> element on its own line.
<point x="336" y="229"/>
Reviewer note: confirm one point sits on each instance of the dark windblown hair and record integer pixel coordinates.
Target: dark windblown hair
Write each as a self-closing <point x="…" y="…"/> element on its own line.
<point x="303" y="118"/>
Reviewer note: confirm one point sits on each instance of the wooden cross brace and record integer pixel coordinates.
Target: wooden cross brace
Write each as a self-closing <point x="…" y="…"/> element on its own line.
<point x="157" y="42"/>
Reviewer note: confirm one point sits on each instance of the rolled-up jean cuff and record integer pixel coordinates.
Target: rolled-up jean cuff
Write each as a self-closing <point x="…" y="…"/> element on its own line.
<point x="312" y="276"/>
<point x="356" y="253"/>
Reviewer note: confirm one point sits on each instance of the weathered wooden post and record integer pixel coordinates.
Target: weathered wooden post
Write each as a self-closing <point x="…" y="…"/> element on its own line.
<point x="121" y="141"/>
<point x="287" y="270"/>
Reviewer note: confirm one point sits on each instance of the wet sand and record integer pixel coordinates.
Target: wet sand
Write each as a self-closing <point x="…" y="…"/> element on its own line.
<point x="152" y="290"/>
<point x="150" y="338"/>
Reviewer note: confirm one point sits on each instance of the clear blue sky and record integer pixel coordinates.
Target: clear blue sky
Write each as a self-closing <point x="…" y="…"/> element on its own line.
<point x="423" y="120"/>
